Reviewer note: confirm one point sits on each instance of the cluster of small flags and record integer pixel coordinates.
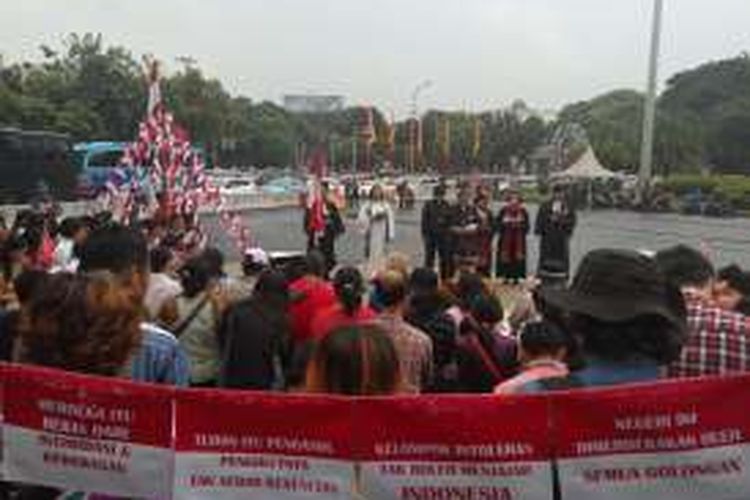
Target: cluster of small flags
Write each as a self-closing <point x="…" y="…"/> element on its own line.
<point x="161" y="175"/>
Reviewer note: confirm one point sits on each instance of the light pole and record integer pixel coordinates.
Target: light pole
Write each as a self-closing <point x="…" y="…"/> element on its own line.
<point x="332" y="141"/>
<point x="414" y="133"/>
<point x="649" y="112"/>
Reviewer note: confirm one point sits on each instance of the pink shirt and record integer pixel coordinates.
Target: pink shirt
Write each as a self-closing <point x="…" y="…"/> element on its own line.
<point x="533" y="371"/>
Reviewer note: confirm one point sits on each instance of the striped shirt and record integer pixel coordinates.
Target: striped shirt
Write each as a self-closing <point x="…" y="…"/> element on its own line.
<point x="414" y="349"/>
<point x="160" y="359"/>
<point x="718" y="341"/>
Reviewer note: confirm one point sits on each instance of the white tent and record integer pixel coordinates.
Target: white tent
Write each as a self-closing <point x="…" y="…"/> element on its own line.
<point x="587" y="167"/>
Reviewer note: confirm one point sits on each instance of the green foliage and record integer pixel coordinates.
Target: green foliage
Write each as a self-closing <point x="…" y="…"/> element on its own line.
<point x="199" y="104"/>
<point x="613" y="125"/>
<point x="703" y="119"/>
<point x="86" y="90"/>
<point x="686" y="183"/>
<point x="97" y="92"/>
<point x="734" y="189"/>
<point x="504" y="137"/>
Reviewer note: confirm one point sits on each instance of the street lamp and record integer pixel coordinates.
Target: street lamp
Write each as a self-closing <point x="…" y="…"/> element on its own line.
<point x="649" y="113"/>
<point x="414" y="134"/>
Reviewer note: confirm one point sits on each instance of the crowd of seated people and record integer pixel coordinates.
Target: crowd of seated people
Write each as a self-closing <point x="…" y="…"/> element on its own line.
<point x="97" y="297"/>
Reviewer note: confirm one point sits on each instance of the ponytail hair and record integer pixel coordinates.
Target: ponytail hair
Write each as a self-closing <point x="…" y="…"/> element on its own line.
<point x="350" y="287"/>
<point x="355" y="360"/>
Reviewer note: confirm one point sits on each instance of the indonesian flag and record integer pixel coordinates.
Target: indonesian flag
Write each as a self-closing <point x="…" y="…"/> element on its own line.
<point x="316" y="221"/>
<point x="317" y="167"/>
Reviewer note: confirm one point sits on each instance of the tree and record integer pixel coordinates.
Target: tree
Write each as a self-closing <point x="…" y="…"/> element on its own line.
<point x="713" y="102"/>
<point x="97" y="93"/>
<point x="201" y="105"/>
<point x="612" y="122"/>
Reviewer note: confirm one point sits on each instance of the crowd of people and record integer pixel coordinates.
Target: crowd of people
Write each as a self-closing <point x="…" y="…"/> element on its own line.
<point x="151" y="303"/>
<point x="90" y="295"/>
<point x="461" y="236"/>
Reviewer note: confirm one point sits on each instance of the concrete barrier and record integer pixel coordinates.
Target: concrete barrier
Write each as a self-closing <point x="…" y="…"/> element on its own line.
<point x="232" y="201"/>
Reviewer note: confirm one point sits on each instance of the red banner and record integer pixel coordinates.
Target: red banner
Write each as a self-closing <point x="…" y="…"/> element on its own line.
<point x="686" y="440"/>
<point x="453" y="447"/>
<point x="238" y="445"/>
<point x="83" y="433"/>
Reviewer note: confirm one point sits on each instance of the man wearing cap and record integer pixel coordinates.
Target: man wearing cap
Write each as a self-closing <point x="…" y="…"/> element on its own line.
<point x="254" y="262"/>
<point x="718" y="340"/>
<point x="555" y="223"/>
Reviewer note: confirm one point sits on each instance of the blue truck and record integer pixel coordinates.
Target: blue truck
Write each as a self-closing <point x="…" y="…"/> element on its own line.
<point x="97" y="162"/>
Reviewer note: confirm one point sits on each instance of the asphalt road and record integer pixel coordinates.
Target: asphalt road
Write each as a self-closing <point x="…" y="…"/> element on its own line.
<point x="727" y="240"/>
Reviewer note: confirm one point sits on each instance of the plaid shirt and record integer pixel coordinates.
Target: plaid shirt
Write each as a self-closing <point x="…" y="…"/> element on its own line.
<point x="414" y="348"/>
<point x="718" y="341"/>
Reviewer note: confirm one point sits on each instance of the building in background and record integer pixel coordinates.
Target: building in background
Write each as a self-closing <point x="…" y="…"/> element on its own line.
<point x="313" y="103"/>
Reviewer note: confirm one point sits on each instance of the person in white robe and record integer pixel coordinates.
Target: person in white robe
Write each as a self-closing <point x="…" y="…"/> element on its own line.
<point x="378" y="225"/>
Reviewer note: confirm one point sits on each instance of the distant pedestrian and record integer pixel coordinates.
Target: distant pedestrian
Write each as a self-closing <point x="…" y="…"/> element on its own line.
<point x="555" y="223"/>
<point x="323" y="225"/>
<point x="485" y="232"/>
<point x="465" y="231"/>
<point x="436" y="215"/>
<point x="512" y="225"/>
<point x="378" y="224"/>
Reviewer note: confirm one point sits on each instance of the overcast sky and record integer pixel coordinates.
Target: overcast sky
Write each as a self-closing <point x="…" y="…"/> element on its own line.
<point x="478" y="53"/>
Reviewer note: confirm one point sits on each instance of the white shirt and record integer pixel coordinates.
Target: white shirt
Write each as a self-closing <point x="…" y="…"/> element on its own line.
<point x="63" y="253"/>
<point x="161" y="288"/>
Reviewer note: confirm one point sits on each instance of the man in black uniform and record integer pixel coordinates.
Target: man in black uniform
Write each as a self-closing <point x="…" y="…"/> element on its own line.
<point x="436" y="216"/>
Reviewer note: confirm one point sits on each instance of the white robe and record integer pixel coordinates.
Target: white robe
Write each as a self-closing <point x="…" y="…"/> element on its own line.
<point x="379" y="227"/>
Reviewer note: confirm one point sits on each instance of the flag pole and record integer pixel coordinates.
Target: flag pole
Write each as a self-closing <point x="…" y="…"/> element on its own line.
<point x="649" y="114"/>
